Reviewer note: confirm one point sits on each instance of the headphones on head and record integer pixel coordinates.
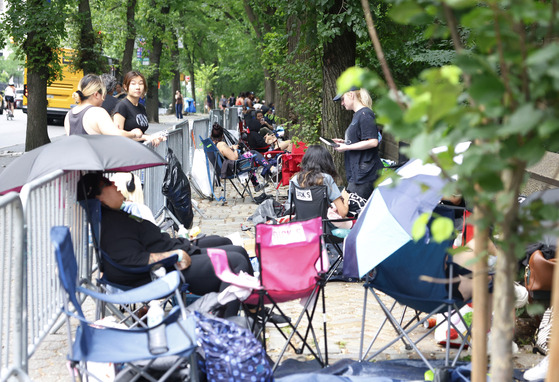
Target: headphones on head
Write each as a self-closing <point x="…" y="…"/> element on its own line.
<point x="130" y="185"/>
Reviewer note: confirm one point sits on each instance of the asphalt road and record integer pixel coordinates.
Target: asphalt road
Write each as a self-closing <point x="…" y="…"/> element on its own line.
<point x="12" y="134"/>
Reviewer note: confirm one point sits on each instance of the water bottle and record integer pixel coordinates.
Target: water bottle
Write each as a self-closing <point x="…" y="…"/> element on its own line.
<point x="157" y="339"/>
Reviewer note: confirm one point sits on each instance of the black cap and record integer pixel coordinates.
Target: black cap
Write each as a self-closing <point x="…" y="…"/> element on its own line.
<point x="88" y="185"/>
<point x="264" y="109"/>
<point x="339" y="96"/>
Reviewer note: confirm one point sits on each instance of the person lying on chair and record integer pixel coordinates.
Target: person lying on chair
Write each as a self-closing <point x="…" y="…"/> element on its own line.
<point x="131" y="241"/>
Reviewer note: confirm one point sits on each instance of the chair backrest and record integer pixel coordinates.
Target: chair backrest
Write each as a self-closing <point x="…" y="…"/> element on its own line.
<point x="66" y="262"/>
<point x="310" y="202"/>
<point x="413" y="274"/>
<point x="92" y="209"/>
<point x="213" y="156"/>
<point x="288" y="254"/>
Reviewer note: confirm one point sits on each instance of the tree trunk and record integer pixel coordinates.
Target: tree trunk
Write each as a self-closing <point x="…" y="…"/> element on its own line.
<point x="553" y="372"/>
<point x="37" y="133"/>
<point x="481" y="318"/>
<point x="152" y="100"/>
<point x="176" y="82"/>
<point x="89" y="54"/>
<point x="127" y="56"/>
<point x="269" y="87"/>
<point x="338" y="55"/>
<point x="503" y="296"/>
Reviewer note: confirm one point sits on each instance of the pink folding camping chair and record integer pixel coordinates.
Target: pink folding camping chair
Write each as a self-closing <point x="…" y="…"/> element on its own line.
<point x="292" y="266"/>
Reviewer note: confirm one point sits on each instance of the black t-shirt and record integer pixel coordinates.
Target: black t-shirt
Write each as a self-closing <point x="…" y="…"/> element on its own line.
<point x="135" y="116"/>
<point x="129" y="240"/>
<point x="362" y="166"/>
<point x="109" y="103"/>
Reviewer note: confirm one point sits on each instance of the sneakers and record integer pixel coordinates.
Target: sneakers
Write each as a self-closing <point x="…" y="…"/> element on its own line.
<point x="273" y="318"/>
<point x="537" y="372"/>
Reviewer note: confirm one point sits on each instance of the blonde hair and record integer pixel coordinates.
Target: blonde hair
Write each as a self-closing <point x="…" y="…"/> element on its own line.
<point x="89" y="85"/>
<point x="121" y="179"/>
<point x="364" y="97"/>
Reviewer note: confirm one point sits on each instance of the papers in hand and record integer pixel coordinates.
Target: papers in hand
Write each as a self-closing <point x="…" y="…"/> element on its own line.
<point x="329" y="142"/>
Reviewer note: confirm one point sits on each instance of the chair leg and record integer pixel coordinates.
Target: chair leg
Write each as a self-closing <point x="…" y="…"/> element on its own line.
<point x="294" y="331"/>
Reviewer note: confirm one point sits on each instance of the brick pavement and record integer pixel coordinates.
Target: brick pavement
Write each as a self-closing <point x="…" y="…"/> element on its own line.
<point x="344" y="303"/>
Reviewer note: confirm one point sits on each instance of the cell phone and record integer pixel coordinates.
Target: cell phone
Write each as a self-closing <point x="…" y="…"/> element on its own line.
<point x="329" y="142"/>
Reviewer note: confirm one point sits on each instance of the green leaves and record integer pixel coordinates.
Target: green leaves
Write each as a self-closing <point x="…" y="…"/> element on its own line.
<point x="441" y="228"/>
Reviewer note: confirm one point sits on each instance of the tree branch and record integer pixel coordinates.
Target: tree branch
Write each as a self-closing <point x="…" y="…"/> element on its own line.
<point x="451" y="23"/>
<point x="379" y="52"/>
<point x="502" y="63"/>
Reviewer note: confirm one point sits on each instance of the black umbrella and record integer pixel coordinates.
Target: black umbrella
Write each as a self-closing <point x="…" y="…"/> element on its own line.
<point x="78" y="152"/>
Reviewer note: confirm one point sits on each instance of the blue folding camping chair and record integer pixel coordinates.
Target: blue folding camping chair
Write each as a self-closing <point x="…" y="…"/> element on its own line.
<point x="95" y="343"/>
<point x="416" y="274"/>
<point x="243" y="169"/>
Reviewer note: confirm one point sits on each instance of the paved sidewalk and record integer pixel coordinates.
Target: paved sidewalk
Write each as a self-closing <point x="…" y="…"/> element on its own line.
<point x="344" y="303"/>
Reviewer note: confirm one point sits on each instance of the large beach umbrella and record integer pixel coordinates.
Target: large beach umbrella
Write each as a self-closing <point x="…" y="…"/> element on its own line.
<point x="78" y="152"/>
<point x="385" y="224"/>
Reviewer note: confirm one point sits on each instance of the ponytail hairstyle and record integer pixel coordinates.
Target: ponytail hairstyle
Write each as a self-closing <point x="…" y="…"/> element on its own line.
<point x="317" y="160"/>
<point x="364" y="97"/>
<point x="89" y="85"/>
<point x="217" y="132"/>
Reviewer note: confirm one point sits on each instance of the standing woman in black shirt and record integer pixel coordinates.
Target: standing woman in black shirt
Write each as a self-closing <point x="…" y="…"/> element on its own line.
<point x="129" y="113"/>
<point x="360" y="144"/>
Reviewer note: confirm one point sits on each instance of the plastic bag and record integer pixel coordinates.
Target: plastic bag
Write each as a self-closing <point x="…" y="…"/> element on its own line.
<point x="264" y="212"/>
<point x="176" y="189"/>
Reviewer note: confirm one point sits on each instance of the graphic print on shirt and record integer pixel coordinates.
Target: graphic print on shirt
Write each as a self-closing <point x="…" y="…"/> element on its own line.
<point x="142" y="120"/>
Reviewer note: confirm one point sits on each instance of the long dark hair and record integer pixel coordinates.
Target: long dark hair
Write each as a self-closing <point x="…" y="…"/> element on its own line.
<point x="317" y="160"/>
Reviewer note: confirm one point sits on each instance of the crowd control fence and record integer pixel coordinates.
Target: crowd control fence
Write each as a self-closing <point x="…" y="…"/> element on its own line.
<point x="216" y="115"/>
<point x="31" y="296"/>
<point x="49" y="201"/>
<point x="12" y="351"/>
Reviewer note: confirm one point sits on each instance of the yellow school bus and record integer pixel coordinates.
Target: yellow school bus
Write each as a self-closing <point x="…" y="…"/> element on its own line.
<point x="59" y="93"/>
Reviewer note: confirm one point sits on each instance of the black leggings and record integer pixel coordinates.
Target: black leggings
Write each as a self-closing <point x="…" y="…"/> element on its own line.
<point x="201" y="276"/>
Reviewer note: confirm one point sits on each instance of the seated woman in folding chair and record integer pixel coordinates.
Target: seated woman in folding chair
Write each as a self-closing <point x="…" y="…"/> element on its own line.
<point x="317" y="169"/>
<point x="232" y="154"/>
<point x="261" y="137"/>
<point x="133" y="242"/>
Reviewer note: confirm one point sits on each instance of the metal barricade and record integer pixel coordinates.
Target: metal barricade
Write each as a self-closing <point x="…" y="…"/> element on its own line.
<point x="231" y="118"/>
<point x="186" y="160"/>
<point x="153" y="180"/>
<point x="200" y="128"/>
<point x="50" y="201"/>
<point x="216" y="115"/>
<point x="12" y="351"/>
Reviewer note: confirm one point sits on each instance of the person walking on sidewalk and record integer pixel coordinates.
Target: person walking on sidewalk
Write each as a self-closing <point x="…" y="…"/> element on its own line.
<point x="179" y="102"/>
